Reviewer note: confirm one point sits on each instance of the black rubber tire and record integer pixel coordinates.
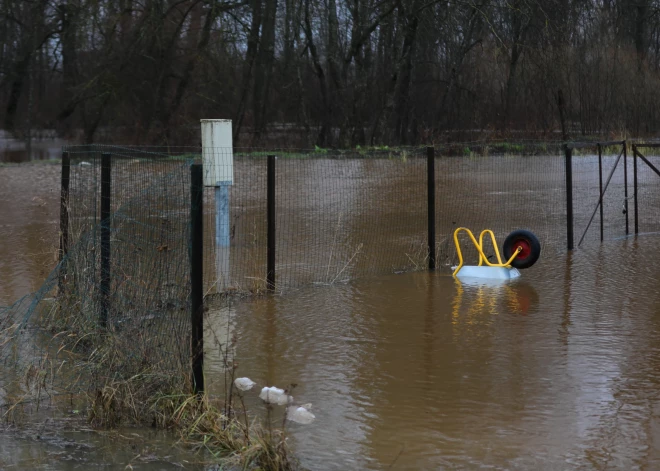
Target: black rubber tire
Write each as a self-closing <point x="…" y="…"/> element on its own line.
<point x="530" y="253"/>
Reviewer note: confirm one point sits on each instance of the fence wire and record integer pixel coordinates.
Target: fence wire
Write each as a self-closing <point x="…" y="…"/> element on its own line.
<point x="500" y="187"/>
<point x="648" y="193"/>
<point x="338" y="216"/>
<point x="347" y="215"/>
<point x="76" y="336"/>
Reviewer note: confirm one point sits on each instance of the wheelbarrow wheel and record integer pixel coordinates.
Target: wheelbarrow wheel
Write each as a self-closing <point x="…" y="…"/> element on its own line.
<point x="529" y="245"/>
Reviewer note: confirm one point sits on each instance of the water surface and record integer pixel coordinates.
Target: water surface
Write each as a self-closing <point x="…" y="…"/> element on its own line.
<point x="45" y="145"/>
<point x="558" y="370"/>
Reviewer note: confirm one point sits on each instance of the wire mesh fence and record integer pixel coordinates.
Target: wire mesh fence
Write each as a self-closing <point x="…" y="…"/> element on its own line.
<point x="648" y="188"/>
<point x="593" y="174"/>
<point x="119" y="302"/>
<point x="501" y="188"/>
<point x="79" y="335"/>
<point x="347" y="215"/>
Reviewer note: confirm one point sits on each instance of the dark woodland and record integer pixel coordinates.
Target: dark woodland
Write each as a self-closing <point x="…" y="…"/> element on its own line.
<point x="330" y="72"/>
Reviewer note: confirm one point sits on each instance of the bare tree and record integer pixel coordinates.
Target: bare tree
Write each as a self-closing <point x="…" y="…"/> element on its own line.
<point x="335" y="72"/>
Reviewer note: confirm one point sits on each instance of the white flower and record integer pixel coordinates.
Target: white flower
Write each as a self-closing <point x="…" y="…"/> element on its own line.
<point x="300" y="415"/>
<point x="275" y="395"/>
<point x="244" y="384"/>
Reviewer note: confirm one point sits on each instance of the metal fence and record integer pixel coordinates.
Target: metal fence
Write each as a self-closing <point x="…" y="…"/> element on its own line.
<point x="118" y="303"/>
<point x="122" y="299"/>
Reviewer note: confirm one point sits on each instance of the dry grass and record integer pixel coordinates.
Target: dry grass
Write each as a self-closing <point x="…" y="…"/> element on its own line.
<point x="118" y="378"/>
<point x="222" y="428"/>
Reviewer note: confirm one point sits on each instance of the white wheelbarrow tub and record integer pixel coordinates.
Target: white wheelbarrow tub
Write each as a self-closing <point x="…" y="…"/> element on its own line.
<point x="486" y="272"/>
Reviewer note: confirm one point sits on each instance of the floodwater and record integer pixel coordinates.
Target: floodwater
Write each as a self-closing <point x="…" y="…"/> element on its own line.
<point x="29" y="214"/>
<point x="29" y="222"/>
<point x="45" y="146"/>
<point x="49" y="448"/>
<point x="557" y="370"/>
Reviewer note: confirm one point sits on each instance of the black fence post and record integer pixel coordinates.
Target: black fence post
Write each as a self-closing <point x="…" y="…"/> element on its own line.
<point x="430" y="184"/>
<point x="64" y="216"/>
<point x="106" y="188"/>
<point x="635" y="189"/>
<point x="569" y="196"/>
<point x="600" y="188"/>
<point x="270" y="250"/>
<point x="197" y="275"/>
<point x="625" y="183"/>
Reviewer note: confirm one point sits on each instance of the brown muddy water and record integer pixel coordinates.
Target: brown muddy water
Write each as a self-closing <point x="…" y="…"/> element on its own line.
<point x="29" y="219"/>
<point x="557" y="370"/>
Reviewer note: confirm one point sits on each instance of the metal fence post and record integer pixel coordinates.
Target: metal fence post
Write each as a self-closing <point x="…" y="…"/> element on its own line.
<point x="106" y="188"/>
<point x="430" y="184"/>
<point x="569" y="196"/>
<point x="625" y="182"/>
<point x="635" y="189"/>
<point x="64" y="216"/>
<point x="197" y="275"/>
<point x="600" y="188"/>
<point x="270" y="250"/>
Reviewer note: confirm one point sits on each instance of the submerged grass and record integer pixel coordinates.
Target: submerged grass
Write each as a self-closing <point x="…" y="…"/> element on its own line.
<point x="205" y="424"/>
<point x="101" y="374"/>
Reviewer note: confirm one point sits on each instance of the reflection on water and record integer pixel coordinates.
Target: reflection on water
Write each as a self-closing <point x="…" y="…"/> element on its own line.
<point x="556" y="370"/>
<point x="14" y="150"/>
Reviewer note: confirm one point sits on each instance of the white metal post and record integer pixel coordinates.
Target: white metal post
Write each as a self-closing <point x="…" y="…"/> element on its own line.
<point x="218" y="161"/>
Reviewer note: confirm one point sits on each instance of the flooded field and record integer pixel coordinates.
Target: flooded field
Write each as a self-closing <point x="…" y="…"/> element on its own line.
<point x="46" y="449"/>
<point x="29" y="224"/>
<point x="557" y="370"/>
<point x="44" y="146"/>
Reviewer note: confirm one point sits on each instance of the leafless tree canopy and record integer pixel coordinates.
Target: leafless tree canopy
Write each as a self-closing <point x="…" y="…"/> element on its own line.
<point x="336" y="72"/>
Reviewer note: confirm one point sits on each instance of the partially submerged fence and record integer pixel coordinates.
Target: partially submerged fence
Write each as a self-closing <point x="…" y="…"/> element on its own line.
<point x="321" y="217"/>
<point x="117" y="306"/>
<point x="646" y="195"/>
<point x="143" y="242"/>
<point x="328" y="217"/>
<point x="609" y="192"/>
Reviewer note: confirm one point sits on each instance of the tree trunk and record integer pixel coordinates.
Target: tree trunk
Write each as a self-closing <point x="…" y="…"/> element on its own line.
<point x="511" y="88"/>
<point x="264" y="68"/>
<point x="69" y="73"/>
<point x="404" y="76"/>
<point x="16" y="90"/>
<point x="252" y="49"/>
<point x="326" y="121"/>
<point x="194" y="53"/>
